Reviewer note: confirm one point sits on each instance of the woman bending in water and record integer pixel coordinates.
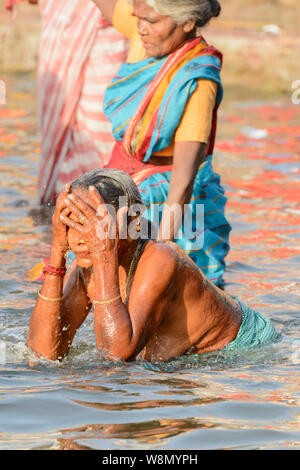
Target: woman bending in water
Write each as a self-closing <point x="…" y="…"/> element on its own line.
<point x="163" y="105"/>
<point x="150" y="300"/>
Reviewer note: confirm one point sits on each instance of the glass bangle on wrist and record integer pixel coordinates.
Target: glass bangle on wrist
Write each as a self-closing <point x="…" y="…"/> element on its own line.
<point x="54" y="271"/>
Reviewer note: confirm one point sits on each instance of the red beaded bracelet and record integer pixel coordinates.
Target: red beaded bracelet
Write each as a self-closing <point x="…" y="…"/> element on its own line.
<point x="54" y="271"/>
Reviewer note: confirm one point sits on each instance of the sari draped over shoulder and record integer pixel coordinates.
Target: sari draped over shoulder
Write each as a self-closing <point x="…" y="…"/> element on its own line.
<point x="146" y="100"/>
<point x="145" y="103"/>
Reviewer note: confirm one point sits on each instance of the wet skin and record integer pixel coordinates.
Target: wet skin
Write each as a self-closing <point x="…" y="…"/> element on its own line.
<point x="172" y="308"/>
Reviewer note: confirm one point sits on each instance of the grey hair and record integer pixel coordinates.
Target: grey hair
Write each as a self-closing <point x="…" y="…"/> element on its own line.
<point x="182" y="11"/>
<point x="112" y="185"/>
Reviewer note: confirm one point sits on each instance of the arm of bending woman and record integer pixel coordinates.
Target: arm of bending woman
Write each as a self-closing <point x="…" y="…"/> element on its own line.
<point x="107" y="8"/>
<point x="191" y="140"/>
<point x="187" y="158"/>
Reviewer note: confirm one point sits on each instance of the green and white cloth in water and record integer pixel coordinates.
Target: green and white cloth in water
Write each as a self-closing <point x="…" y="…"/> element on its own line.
<point x="256" y="329"/>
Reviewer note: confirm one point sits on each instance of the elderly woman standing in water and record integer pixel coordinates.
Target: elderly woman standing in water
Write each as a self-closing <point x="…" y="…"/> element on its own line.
<point x="150" y="300"/>
<point x="163" y="107"/>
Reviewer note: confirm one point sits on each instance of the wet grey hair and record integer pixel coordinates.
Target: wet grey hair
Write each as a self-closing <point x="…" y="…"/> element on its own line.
<point x="112" y="185"/>
<point x="182" y="11"/>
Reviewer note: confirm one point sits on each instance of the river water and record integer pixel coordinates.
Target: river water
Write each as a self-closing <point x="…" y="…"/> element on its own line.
<point x="242" y="401"/>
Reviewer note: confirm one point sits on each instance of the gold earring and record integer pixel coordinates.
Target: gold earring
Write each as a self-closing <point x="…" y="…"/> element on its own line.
<point x="138" y="227"/>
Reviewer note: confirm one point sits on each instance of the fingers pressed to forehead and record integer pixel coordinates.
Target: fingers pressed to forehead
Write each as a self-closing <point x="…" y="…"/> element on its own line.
<point x="95" y="196"/>
<point x="74" y="209"/>
<point x="71" y="223"/>
<point x="66" y="211"/>
<point x="87" y="210"/>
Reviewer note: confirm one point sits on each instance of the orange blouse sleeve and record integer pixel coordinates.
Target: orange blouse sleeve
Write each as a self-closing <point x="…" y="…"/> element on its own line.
<point x="126" y="24"/>
<point x="196" y="121"/>
<point x="123" y="21"/>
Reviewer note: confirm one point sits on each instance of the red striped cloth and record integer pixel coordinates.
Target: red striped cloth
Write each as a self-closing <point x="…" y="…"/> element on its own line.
<point x="79" y="54"/>
<point x="9" y="4"/>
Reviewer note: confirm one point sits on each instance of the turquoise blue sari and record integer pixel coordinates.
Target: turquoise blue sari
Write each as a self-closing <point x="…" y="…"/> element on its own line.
<point x="145" y="103"/>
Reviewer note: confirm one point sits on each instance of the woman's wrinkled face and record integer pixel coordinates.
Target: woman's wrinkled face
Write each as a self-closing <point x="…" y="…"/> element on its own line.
<point x="160" y="34"/>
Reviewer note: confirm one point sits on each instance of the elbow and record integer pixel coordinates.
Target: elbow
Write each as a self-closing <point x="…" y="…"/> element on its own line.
<point x="120" y="356"/>
<point x="45" y="353"/>
<point x="123" y="357"/>
<point x="117" y="353"/>
<point x="116" y="344"/>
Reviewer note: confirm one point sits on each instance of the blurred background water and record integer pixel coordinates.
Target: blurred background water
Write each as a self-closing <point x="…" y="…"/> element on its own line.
<point x="214" y="401"/>
<point x="244" y="401"/>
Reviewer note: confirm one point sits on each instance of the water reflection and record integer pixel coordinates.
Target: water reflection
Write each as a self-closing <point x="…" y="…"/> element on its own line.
<point x="245" y="400"/>
<point x="137" y="435"/>
<point x="148" y="404"/>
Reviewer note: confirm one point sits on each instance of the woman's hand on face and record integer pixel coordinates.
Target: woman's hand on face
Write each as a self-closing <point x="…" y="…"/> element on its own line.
<point x="95" y="223"/>
<point x="60" y="230"/>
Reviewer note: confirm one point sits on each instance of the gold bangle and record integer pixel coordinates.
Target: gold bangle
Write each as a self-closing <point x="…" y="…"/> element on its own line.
<point x="50" y="300"/>
<point x="103" y="302"/>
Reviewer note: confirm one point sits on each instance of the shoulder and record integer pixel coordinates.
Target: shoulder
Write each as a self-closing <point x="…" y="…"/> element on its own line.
<point x="205" y="91"/>
<point x="158" y="251"/>
<point x="155" y="273"/>
<point x="196" y="121"/>
<point x="160" y="262"/>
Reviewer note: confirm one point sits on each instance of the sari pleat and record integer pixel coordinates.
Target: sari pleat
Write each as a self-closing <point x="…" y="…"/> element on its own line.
<point x="204" y="235"/>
